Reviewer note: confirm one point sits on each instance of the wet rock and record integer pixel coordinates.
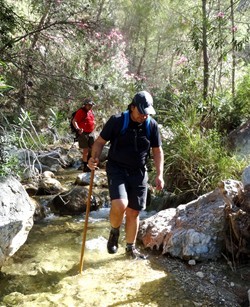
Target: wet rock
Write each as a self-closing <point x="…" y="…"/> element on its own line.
<point x="72" y="202"/>
<point x="40" y="211"/>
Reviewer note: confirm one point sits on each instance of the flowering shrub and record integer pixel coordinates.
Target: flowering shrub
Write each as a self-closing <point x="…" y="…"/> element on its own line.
<point x="108" y="66"/>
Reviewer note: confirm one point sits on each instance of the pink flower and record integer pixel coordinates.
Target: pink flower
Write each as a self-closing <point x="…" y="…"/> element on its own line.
<point x="220" y="15"/>
<point x="82" y="25"/>
<point x="182" y="60"/>
<point x="234" y="28"/>
<point x="116" y="35"/>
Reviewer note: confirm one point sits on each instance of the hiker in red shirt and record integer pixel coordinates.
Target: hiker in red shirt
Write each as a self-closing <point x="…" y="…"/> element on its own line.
<point x="84" y="122"/>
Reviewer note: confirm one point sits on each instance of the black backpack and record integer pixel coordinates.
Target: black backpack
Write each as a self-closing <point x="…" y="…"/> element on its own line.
<point x="73" y="129"/>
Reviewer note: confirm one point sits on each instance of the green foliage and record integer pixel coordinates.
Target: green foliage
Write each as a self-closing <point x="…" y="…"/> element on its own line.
<point x="227" y="113"/>
<point x="9" y="166"/>
<point x="3" y="86"/>
<point x="56" y="118"/>
<point x="61" y="51"/>
<point x="225" y="116"/>
<point x="8" y="23"/>
<point x="58" y="122"/>
<point x="196" y="162"/>
<point x="24" y="134"/>
<point x="242" y="99"/>
<point x="24" y="119"/>
<point x="8" y="163"/>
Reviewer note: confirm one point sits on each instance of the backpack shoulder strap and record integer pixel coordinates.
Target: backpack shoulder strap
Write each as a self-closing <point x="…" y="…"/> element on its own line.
<point x="125" y="121"/>
<point x="148" y="127"/>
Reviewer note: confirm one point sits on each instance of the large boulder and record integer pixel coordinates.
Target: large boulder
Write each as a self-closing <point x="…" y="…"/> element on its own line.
<point x="195" y="230"/>
<point x="16" y="217"/>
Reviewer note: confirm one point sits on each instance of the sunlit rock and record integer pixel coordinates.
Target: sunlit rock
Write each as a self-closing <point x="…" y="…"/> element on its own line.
<point x="49" y="185"/>
<point x="194" y="230"/>
<point x="16" y="217"/>
<point x="100" y="179"/>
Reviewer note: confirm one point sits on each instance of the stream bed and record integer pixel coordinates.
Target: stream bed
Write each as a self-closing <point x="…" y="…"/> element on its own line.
<point x="45" y="270"/>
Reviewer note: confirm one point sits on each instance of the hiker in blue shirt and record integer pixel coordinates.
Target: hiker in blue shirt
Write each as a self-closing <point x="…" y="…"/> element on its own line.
<point x="131" y="135"/>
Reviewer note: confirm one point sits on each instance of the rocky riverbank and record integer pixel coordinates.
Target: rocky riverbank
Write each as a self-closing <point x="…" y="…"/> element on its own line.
<point x="211" y="283"/>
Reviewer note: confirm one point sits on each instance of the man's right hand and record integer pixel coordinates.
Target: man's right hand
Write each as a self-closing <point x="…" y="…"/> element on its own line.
<point x="93" y="163"/>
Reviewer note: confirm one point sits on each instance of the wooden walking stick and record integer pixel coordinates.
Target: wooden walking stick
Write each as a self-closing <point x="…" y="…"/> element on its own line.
<point x="86" y="219"/>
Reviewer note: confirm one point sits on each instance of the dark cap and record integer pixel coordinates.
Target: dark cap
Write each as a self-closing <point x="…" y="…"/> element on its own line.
<point x="88" y="101"/>
<point x="144" y="103"/>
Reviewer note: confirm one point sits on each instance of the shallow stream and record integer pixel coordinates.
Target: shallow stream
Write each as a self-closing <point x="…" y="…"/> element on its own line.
<point x="45" y="270"/>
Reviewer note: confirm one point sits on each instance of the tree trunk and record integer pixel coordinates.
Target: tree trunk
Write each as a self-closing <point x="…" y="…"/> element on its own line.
<point x="143" y="55"/>
<point x="233" y="48"/>
<point x="204" y="48"/>
<point x="28" y="65"/>
<point x="157" y="55"/>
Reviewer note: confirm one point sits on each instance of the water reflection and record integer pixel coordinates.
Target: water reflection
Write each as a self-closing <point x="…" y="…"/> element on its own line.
<point x="45" y="271"/>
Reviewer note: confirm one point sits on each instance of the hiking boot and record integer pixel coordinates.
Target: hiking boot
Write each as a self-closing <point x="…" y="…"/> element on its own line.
<point x="133" y="253"/>
<point x="112" y="245"/>
<point x="86" y="169"/>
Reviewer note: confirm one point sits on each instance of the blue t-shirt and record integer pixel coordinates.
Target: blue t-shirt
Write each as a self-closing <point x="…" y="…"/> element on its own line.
<point x="131" y="149"/>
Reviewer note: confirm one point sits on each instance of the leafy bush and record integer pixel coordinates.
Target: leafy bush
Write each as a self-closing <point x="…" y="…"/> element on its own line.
<point x="196" y="162"/>
<point x="9" y="166"/>
<point x="242" y="101"/>
<point x="8" y="163"/>
<point x="228" y="113"/>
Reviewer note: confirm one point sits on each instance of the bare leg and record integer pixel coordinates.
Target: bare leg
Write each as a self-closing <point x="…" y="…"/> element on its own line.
<point x="118" y="208"/>
<point x="85" y="153"/>
<point x="132" y="225"/>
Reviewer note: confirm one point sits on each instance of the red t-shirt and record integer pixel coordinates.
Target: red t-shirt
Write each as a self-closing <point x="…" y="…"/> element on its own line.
<point x="85" y="120"/>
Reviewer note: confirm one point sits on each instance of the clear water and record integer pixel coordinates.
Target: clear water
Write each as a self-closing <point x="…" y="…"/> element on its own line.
<point x="45" y="270"/>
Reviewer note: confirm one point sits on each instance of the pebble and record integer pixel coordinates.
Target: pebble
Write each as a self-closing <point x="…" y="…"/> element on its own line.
<point x="192" y="262"/>
<point x="200" y="274"/>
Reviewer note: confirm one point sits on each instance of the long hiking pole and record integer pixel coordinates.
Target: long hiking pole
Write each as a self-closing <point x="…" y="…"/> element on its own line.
<point x="86" y="219"/>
